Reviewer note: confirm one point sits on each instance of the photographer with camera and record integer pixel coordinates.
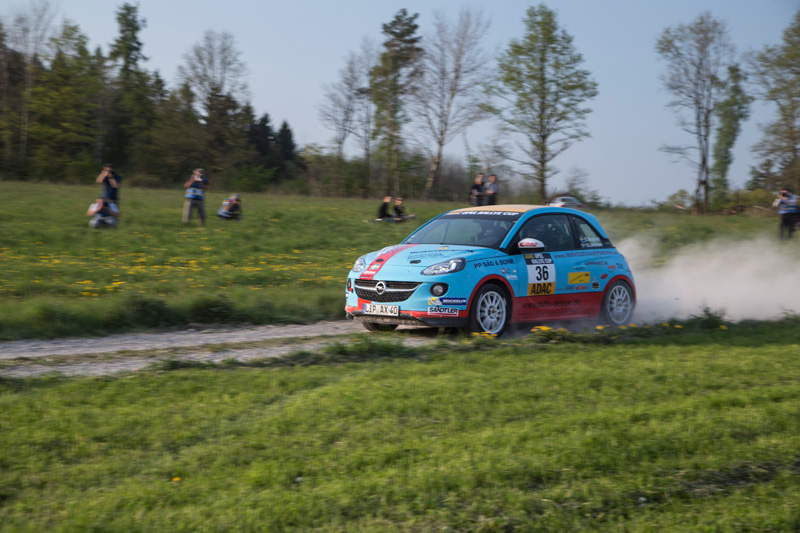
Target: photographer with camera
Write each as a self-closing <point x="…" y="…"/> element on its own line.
<point x="111" y="183"/>
<point x="104" y="214"/>
<point x="231" y="208"/>
<point x="786" y="202"/>
<point x="195" y="187"/>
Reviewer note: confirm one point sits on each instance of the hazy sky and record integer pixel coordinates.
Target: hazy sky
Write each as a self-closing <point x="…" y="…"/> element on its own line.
<point x="292" y="48"/>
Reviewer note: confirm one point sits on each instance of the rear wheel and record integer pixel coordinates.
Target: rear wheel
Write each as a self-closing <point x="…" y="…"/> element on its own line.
<point x="376" y="326"/>
<point x="617" y="306"/>
<point x="490" y="311"/>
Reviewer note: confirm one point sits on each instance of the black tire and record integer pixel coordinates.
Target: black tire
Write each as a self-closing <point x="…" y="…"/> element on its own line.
<point x="617" y="307"/>
<point x="377" y="326"/>
<point x="490" y="312"/>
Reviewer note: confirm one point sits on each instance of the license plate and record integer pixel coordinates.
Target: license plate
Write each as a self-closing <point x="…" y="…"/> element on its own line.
<point x="381" y="309"/>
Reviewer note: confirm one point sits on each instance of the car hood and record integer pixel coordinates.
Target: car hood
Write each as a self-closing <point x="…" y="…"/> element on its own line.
<point x="419" y="256"/>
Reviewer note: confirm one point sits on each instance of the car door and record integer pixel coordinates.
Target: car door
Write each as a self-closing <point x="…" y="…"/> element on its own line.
<point x="547" y="280"/>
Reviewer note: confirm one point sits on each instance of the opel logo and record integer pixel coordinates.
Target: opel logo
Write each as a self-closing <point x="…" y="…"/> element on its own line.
<point x="380" y="288"/>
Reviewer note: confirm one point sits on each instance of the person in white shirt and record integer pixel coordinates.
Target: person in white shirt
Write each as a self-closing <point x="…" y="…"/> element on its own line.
<point x="104" y="213"/>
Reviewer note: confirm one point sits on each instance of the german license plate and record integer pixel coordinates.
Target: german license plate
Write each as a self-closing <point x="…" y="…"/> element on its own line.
<point x="381" y="309"/>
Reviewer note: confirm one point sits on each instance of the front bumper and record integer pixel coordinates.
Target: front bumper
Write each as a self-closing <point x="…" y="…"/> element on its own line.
<point x="417" y="306"/>
<point x="408" y="319"/>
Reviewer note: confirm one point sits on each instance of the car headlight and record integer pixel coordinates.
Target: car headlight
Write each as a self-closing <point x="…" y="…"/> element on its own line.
<point x="360" y="264"/>
<point x="446" y="267"/>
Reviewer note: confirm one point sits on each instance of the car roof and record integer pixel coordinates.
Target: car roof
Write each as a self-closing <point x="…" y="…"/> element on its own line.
<point x="527" y="211"/>
<point x="517" y="208"/>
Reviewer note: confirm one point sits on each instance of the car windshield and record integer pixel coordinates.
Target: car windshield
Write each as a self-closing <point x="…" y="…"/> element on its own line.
<point x="472" y="229"/>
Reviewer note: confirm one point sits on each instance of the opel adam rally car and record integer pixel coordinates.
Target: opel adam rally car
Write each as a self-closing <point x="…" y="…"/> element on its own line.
<point x="483" y="268"/>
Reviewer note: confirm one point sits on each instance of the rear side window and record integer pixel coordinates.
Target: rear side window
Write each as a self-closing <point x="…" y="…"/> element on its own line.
<point x="587" y="236"/>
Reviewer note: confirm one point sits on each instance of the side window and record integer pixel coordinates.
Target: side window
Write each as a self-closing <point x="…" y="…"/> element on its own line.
<point x="553" y="230"/>
<point x="587" y="236"/>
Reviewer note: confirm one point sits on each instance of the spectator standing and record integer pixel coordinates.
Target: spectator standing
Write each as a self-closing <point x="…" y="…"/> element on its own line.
<point x="476" y="191"/>
<point x="104" y="214"/>
<point x="195" y="187"/>
<point x="111" y="182"/>
<point x="786" y="202"/>
<point x="490" y="190"/>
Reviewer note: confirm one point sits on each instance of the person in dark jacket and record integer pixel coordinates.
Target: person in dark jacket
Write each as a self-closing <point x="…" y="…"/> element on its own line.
<point x="111" y="182"/>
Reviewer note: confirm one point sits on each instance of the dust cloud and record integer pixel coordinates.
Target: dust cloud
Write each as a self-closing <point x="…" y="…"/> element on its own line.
<point x="745" y="279"/>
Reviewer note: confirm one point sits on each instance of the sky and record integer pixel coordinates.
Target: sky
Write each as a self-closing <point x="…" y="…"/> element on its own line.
<point x="293" y="48"/>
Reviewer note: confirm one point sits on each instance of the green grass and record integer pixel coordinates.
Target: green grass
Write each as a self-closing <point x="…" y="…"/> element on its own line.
<point x="691" y="426"/>
<point x="646" y="429"/>
<point x="285" y="262"/>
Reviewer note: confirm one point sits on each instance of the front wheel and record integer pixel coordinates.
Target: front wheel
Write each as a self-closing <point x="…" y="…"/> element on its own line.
<point x="376" y="326"/>
<point x="617" y="304"/>
<point x="490" y="312"/>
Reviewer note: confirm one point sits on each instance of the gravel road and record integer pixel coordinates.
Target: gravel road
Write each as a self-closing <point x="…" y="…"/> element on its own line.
<point x="131" y="352"/>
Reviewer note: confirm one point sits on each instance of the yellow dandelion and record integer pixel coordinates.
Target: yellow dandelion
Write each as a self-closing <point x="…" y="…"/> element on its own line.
<point x="723" y="326"/>
<point x="632" y="325"/>
<point x="599" y="328"/>
<point x="678" y="326"/>
<point x="544" y="328"/>
<point x="623" y="327"/>
<point x="176" y="479"/>
<point x="665" y="324"/>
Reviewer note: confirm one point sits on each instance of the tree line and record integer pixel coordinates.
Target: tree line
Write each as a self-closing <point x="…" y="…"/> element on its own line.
<point x="65" y="110"/>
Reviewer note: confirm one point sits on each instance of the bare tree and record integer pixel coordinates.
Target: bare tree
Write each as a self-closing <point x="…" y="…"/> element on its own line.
<point x="30" y="32"/>
<point x="364" y="113"/>
<point x="214" y="73"/>
<point x="448" y="96"/>
<point x="5" y="85"/>
<point x="347" y="107"/>
<point x="213" y="70"/>
<point x="338" y="108"/>
<point x="698" y="56"/>
<point x="494" y="153"/>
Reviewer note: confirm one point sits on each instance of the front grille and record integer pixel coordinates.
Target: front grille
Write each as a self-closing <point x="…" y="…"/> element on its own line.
<point x="396" y="291"/>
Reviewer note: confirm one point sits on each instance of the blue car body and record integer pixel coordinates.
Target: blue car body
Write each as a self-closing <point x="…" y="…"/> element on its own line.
<point x="482" y="268"/>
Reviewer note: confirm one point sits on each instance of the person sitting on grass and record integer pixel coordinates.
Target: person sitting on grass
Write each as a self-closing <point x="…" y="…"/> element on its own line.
<point x="104" y="214"/>
<point x="231" y="208"/>
<point x="383" y="210"/>
<point x="400" y="211"/>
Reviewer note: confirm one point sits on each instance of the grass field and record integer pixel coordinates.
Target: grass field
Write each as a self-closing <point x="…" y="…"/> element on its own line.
<point x="285" y="262"/>
<point x="651" y="429"/>
<point x="681" y="426"/>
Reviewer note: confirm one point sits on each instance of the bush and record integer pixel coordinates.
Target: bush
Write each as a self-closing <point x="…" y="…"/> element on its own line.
<point x="142" y="311"/>
<point x="209" y="309"/>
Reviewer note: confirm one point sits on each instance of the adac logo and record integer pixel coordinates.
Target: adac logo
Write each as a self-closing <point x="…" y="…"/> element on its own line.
<point x="539" y="289"/>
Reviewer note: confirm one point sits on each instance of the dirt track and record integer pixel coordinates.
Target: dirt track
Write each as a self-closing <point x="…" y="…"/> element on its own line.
<point x="131" y="352"/>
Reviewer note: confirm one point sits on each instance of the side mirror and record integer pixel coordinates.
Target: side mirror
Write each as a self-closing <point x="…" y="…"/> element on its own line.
<point x="530" y="244"/>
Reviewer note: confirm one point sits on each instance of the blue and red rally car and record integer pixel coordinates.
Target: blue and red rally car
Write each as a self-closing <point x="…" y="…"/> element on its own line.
<point x="483" y="268"/>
